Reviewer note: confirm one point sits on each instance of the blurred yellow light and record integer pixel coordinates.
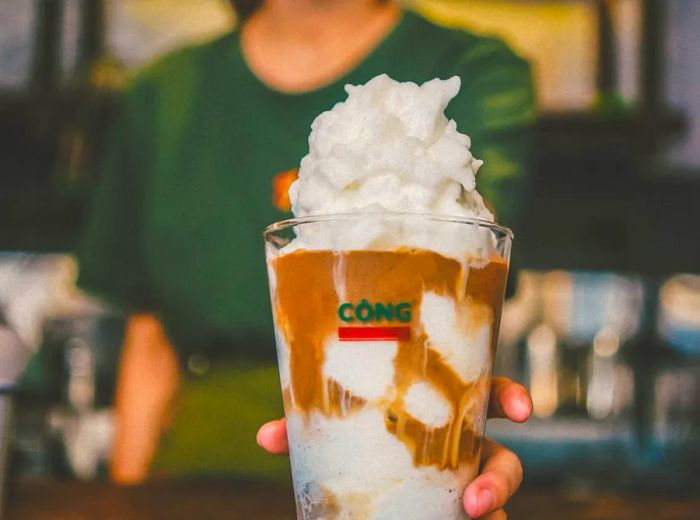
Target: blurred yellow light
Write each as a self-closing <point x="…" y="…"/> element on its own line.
<point x="542" y="354"/>
<point x="606" y="343"/>
<point x="558" y="37"/>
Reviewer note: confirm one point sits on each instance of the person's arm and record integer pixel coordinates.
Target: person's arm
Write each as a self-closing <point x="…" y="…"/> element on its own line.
<point x="149" y="377"/>
<point x="115" y="267"/>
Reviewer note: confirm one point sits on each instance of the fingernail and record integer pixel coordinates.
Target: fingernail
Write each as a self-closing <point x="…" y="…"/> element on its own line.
<point x="261" y="432"/>
<point x="486" y="501"/>
<point x="523" y="406"/>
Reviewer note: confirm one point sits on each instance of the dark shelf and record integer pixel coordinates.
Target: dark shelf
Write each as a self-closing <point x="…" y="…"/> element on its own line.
<point x="48" y="149"/>
<point x="646" y="225"/>
<point x="602" y="198"/>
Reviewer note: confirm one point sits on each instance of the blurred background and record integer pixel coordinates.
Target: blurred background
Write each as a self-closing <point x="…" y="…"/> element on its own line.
<point x="604" y="327"/>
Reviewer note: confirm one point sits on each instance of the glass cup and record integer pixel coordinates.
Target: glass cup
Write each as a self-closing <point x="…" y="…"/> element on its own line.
<point x="386" y="328"/>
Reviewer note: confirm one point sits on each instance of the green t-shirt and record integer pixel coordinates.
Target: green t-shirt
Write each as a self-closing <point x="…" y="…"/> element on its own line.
<point x="186" y="183"/>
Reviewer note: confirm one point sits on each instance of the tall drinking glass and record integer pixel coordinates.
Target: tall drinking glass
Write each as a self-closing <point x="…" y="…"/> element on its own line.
<point x="386" y="329"/>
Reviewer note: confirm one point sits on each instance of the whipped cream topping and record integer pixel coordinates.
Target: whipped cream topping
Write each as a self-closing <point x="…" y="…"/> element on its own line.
<point x="389" y="148"/>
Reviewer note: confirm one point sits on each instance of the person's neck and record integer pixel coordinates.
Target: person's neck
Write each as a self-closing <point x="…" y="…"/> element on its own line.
<point x="313" y="20"/>
<point x="300" y="45"/>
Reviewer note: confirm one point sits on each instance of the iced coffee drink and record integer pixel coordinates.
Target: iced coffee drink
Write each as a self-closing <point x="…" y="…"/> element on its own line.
<point x="386" y="292"/>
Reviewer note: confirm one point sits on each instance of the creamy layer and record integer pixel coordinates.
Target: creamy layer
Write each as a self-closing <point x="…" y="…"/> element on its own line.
<point x="399" y="417"/>
<point x="353" y="468"/>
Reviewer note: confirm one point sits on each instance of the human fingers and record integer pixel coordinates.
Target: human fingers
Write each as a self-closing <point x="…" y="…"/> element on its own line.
<point x="500" y="477"/>
<point x="272" y="437"/>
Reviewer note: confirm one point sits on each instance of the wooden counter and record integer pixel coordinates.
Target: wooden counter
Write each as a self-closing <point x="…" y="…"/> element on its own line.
<point x="226" y="500"/>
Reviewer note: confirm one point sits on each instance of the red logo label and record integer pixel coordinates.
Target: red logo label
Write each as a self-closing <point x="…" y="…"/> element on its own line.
<point x="366" y="312"/>
<point x="374" y="333"/>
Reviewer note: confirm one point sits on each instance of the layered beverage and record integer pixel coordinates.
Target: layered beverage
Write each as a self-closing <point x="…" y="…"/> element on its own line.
<point x="386" y="298"/>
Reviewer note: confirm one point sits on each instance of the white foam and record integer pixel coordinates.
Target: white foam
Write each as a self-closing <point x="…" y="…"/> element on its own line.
<point x="367" y="468"/>
<point x="450" y="332"/>
<point x="430" y="496"/>
<point x="365" y="368"/>
<point x="390" y="148"/>
<point x="355" y="454"/>
<point x="427" y="405"/>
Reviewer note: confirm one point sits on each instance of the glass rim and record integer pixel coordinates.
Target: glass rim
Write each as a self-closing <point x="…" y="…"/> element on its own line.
<point x="454" y="219"/>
